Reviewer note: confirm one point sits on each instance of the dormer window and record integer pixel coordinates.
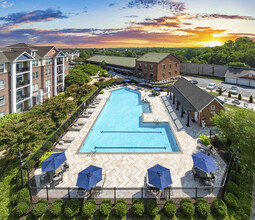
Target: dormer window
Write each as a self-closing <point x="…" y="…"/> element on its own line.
<point x="53" y="51"/>
<point x="250" y="75"/>
<point x="33" y="53"/>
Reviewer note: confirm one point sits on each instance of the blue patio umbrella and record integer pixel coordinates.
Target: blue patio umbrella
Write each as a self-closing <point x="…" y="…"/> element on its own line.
<point x="159" y="176"/>
<point x="204" y="162"/>
<point x="141" y="84"/>
<point x="53" y="162"/>
<point x="89" y="177"/>
<point x="126" y="80"/>
<point x="156" y="88"/>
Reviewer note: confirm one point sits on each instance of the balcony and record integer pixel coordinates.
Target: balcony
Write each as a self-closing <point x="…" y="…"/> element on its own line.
<point x="20" y="98"/>
<point x="22" y="83"/>
<point x="60" y="72"/>
<point x="59" y="62"/>
<point x="60" y="81"/>
<point x="22" y="69"/>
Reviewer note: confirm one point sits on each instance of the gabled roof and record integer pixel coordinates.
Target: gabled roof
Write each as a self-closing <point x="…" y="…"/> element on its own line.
<point x="154" y="57"/>
<point x="43" y="50"/>
<point x="11" y="56"/>
<point x="197" y="97"/>
<point x="237" y="72"/>
<point x="114" y="60"/>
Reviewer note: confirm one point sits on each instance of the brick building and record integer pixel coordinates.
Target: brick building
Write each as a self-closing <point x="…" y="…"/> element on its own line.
<point x="28" y="75"/>
<point x="196" y="102"/>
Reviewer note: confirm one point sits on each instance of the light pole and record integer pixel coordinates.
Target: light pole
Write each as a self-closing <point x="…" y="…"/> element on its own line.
<point x="21" y="164"/>
<point x="236" y="159"/>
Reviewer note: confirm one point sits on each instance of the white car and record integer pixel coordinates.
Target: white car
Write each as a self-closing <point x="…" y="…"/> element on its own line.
<point x="211" y="86"/>
<point x="234" y="90"/>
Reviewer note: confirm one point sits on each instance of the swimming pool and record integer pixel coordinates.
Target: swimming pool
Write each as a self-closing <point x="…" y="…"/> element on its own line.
<point x="119" y="128"/>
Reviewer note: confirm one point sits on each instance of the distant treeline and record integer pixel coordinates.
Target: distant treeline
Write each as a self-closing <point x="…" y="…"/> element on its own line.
<point x="240" y="52"/>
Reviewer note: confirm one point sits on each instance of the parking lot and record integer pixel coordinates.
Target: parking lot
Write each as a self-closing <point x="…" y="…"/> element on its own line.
<point x="202" y="82"/>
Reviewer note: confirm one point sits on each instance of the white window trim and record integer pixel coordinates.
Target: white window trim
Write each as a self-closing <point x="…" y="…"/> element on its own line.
<point x="4" y="100"/>
<point x="212" y="107"/>
<point x="4" y="67"/>
<point x="4" y="84"/>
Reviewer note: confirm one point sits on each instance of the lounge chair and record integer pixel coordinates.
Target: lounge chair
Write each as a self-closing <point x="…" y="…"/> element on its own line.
<point x="76" y="127"/>
<point x="67" y="139"/>
<point x="81" y="122"/>
<point x="61" y="148"/>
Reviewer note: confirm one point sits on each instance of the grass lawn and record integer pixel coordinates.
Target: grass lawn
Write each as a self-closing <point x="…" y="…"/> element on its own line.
<point x="230" y="106"/>
<point x="215" y="93"/>
<point x="216" y="78"/>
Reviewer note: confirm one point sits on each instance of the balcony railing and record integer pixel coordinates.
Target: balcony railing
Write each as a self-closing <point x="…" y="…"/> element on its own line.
<point x="59" y="81"/>
<point x="19" y="98"/>
<point x="23" y="83"/>
<point x="22" y="69"/>
<point x="60" y="71"/>
<point x="59" y="62"/>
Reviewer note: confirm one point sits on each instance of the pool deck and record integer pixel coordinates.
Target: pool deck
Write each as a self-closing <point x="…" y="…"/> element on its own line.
<point x="129" y="169"/>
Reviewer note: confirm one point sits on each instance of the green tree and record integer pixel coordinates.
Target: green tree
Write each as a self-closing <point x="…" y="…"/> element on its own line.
<point x="76" y="76"/>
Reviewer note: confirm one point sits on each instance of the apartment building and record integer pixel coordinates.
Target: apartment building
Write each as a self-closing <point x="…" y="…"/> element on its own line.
<point x="30" y="74"/>
<point x="71" y="54"/>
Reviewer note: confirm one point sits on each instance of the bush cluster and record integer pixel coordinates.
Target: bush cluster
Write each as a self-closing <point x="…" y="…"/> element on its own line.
<point x="219" y="208"/>
<point x="21" y="208"/>
<point x="18" y="179"/>
<point x="107" y="83"/>
<point x="44" y="157"/>
<point x="20" y="196"/>
<point x="57" y="207"/>
<point x="88" y="208"/>
<point x="203" y="208"/>
<point x="72" y="208"/>
<point x="120" y="208"/>
<point x="232" y="201"/>
<point x="204" y="139"/>
<point x="170" y="208"/>
<point x="152" y="207"/>
<point x="187" y="208"/>
<point x="40" y="208"/>
<point x="105" y="208"/>
<point x="138" y="207"/>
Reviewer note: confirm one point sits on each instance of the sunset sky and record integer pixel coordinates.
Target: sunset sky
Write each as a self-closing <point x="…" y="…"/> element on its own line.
<point x="125" y="23"/>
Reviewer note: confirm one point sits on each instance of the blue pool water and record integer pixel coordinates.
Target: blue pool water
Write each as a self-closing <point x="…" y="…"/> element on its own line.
<point x="119" y="128"/>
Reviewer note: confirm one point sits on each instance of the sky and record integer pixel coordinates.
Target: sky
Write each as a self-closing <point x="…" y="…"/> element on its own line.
<point x="125" y="23"/>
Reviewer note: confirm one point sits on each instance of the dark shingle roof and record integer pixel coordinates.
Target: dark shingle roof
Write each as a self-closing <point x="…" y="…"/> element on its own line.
<point x="235" y="72"/>
<point x="197" y="97"/>
<point x="43" y="50"/>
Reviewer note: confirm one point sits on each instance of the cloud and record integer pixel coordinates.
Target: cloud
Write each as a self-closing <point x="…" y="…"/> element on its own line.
<point x="34" y="16"/>
<point x="175" y="7"/>
<point x="131" y="16"/>
<point x="112" y="4"/>
<point x="220" y="16"/>
<point x="5" y="4"/>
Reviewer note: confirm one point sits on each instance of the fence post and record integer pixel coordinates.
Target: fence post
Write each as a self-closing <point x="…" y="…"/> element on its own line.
<point x="142" y="192"/>
<point x="68" y="190"/>
<point x="47" y="193"/>
<point x="169" y="192"/>
<point x="196" y="192"/>
<point x="114" y="195"/>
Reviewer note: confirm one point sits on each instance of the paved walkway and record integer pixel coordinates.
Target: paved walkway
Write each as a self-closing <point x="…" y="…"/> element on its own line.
<point x="129" y="169"/>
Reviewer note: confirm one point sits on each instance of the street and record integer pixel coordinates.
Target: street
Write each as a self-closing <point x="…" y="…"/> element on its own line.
<point x="202" y="82"/>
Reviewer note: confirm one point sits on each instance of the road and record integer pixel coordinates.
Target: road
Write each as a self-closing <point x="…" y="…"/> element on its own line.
<point x="202" y="82"/>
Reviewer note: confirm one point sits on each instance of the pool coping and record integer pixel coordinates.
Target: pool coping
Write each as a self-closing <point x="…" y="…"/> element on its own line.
<point x="84" y="139"/>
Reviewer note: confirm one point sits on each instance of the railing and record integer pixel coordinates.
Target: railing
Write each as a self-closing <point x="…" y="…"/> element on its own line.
<point x="22" y="69"/>
<point x="59" y="62"/>
<point x="23" y="83"/>
<point x="22" y="97"/>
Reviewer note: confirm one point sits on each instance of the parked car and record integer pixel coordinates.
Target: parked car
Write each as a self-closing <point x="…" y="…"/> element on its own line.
<point x="223" y="89"/>
<point x="194" y="81"/>
<point x="211" y="86"/>
<point x="234" y="90"/>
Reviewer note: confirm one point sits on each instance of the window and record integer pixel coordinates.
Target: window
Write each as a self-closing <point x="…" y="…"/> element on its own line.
<point x="65" y="67"/>
<point x="2" y="100"/>
<point x="19" y="78"/>
<point x="48" y="83"/>
<point x="33" y="54"/>
<point x="2" y="84"/>
<point x="48" y="61"/>
<point x="151" y="75"/>
<point x="145" y="66"/>
<point x="212" y="107"/>
<point x="35" y="87"/>
<point x="175" y="65"/>
<point x="169" y="66"/>
<point x="2" y="114"/>
<point x="163" y="75"/>
<point x="48" y="72"/>
<point x="35" y="63"/>
<point x="163" y="66"/>
<point x="169" y="73"/>
<point x="175" y="72"/>
<point x="145" y="74"/>
<point x="140" y="65"/>
<point x="35" y="75"/>
<point x="2" y="67"/>
<point x="151" y="66"/>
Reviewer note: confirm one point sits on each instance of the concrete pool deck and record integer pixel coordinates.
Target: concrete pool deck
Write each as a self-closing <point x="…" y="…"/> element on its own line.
<point x="129" y="169"/>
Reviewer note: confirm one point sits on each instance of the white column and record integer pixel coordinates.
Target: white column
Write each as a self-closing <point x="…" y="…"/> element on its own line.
<point x="40" y="96"/>
<point x="13" y="87"/>
<point x="55" y="77"/>
<point x="63" y="74"/>
<point x="31" y="83"/>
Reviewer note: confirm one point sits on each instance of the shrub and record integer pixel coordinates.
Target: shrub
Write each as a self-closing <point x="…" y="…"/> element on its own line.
<point x="72" y="208"/>
<point x="170" y="208"/>
<point x="38" y="155"/>
<point x="54" y="138"/>
<point x="239" y="97"/>
<point x="105" y="207"/>
<point x="60" y="131"/>
<point x="229" y="94"/>
<point x="138" y="207"/>
<point x="219" y="207"/>
<point x="19" y="181"/>
<point x="152" y="208"/>
<point x="203" y="208"/>
<point x="21" y="208"/>
<point x="57" y="207"/>
<point x="48" y="145"/>
<point x="40" y="208"/>
<point x="220" y="92"/>
<point x="120" y="208"/>
<point x="204" y="139"/>
<point x="101" y="92"/>
<point x="31" y="164"/>
<point x="233" y="188"/>
<point x="88" y="208"/>
<point x="20" y="196"/>
<point x="231" y="201"/>
<point x="251" y="99"/>
<point x="44" y="157"/>
<point x="234" y="177"/>
<point x="187" y="208"/>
